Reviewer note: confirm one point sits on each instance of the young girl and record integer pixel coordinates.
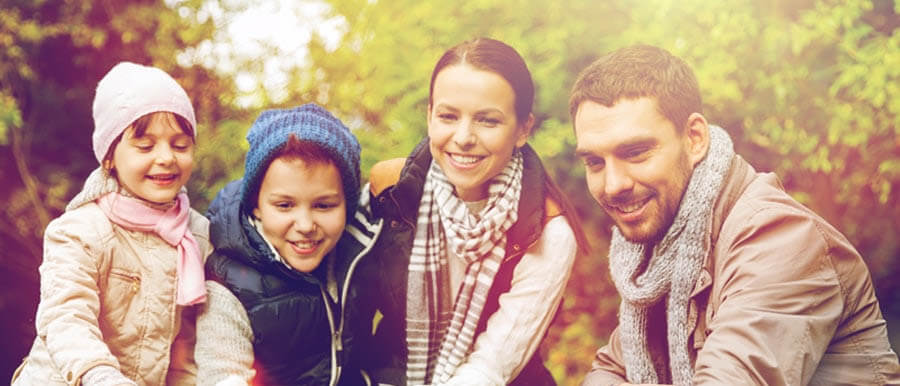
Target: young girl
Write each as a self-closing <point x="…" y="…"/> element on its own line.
<point x="481" y="242"/>
<point x="285" y="275"/>
<point x="124" y="264"/>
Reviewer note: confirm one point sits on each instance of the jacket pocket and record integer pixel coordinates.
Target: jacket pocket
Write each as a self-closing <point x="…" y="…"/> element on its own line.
<point x="120" y="314"/>
<point x="118" y="299"/>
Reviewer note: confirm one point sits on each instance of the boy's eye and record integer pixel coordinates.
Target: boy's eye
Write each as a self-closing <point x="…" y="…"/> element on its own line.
<point x="324" y="205"/>
<point x="284" y="204"/>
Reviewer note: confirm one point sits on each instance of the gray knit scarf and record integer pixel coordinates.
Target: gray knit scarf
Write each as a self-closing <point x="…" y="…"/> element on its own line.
<point x="439" y="336"/>
<point x="672" y="270"/>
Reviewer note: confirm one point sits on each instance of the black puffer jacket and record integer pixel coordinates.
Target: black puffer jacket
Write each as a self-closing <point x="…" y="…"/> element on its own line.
<point x="398" y="205"/>
<point x="301" y="335"/>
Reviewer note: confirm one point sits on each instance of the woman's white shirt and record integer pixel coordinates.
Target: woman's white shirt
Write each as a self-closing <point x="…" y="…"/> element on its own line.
<point x="514" y="332"/>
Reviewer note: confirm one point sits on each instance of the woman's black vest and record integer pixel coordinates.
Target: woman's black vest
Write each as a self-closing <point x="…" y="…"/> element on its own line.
<point x="398" y="206"/>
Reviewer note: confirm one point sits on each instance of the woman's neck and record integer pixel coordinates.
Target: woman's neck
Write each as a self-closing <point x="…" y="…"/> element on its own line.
<point x="475" y="207"/>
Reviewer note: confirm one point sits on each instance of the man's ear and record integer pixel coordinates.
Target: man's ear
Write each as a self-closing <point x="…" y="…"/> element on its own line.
<point x="696" y="138"/>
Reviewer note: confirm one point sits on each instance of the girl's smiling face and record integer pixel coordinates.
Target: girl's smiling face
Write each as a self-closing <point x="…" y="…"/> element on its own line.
<point x="155" y="165"/>
<point x="473" y="128"/>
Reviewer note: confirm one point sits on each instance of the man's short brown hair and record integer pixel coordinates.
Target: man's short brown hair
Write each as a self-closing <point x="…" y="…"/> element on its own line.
<point x="636" y="72"/>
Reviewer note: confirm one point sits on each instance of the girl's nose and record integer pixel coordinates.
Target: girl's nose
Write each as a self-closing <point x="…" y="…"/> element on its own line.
<point x="164" y="154"/>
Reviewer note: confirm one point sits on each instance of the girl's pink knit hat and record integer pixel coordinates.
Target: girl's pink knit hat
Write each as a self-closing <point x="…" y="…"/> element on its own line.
<point x="129" y="91"/>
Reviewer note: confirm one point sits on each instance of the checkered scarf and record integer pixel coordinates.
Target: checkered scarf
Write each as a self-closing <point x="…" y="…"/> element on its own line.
<point x="439" y="336"/>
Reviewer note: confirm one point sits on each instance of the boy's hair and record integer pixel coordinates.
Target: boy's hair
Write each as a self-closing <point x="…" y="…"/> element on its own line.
<point x="636" y="72"/>
<point x="140" y="128"/>
<point x="309" y="152"/>
<point x="308" y="123"/>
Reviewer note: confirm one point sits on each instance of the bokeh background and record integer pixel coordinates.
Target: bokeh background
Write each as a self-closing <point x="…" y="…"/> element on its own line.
<point x="809" y="89"/>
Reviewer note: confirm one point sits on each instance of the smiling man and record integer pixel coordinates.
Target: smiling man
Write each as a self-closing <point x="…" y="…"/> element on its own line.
<point x="724" y="278"/>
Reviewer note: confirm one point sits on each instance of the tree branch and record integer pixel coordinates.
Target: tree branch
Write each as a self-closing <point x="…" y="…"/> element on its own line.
<point x="31" y="184"/>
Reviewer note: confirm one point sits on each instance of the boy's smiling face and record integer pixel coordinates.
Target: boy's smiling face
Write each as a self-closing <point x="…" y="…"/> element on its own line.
<point x="302" y="209"/>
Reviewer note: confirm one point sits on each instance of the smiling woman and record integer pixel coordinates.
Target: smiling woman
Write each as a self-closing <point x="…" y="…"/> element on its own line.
<point x="473" y="265"/>
<point x="473" y="128"/>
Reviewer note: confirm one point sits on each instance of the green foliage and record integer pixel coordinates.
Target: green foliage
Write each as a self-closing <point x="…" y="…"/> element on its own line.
<point x="10" y="116"/>
<point x="218" y="159"/>
<point x="809" y="89"/>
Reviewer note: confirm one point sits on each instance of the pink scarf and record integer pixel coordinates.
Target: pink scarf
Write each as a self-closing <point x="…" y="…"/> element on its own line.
<point x="171" y="226"/>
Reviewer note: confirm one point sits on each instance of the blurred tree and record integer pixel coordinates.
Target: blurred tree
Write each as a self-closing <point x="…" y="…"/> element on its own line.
<point x="807" y="88"/>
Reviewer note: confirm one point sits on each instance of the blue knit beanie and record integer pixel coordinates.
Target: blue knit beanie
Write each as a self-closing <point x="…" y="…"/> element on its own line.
<point x="309" y="122"/>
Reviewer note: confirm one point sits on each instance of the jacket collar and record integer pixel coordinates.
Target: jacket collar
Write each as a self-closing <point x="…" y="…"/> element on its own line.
<point x="407" y="194"/>
<point x="234" y="236"/>
<point x="359" y="236"/>
<point x="740" y="175"/>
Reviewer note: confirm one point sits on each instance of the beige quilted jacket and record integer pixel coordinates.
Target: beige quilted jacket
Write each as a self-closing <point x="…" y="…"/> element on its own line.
<point x="108" y="298"/>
